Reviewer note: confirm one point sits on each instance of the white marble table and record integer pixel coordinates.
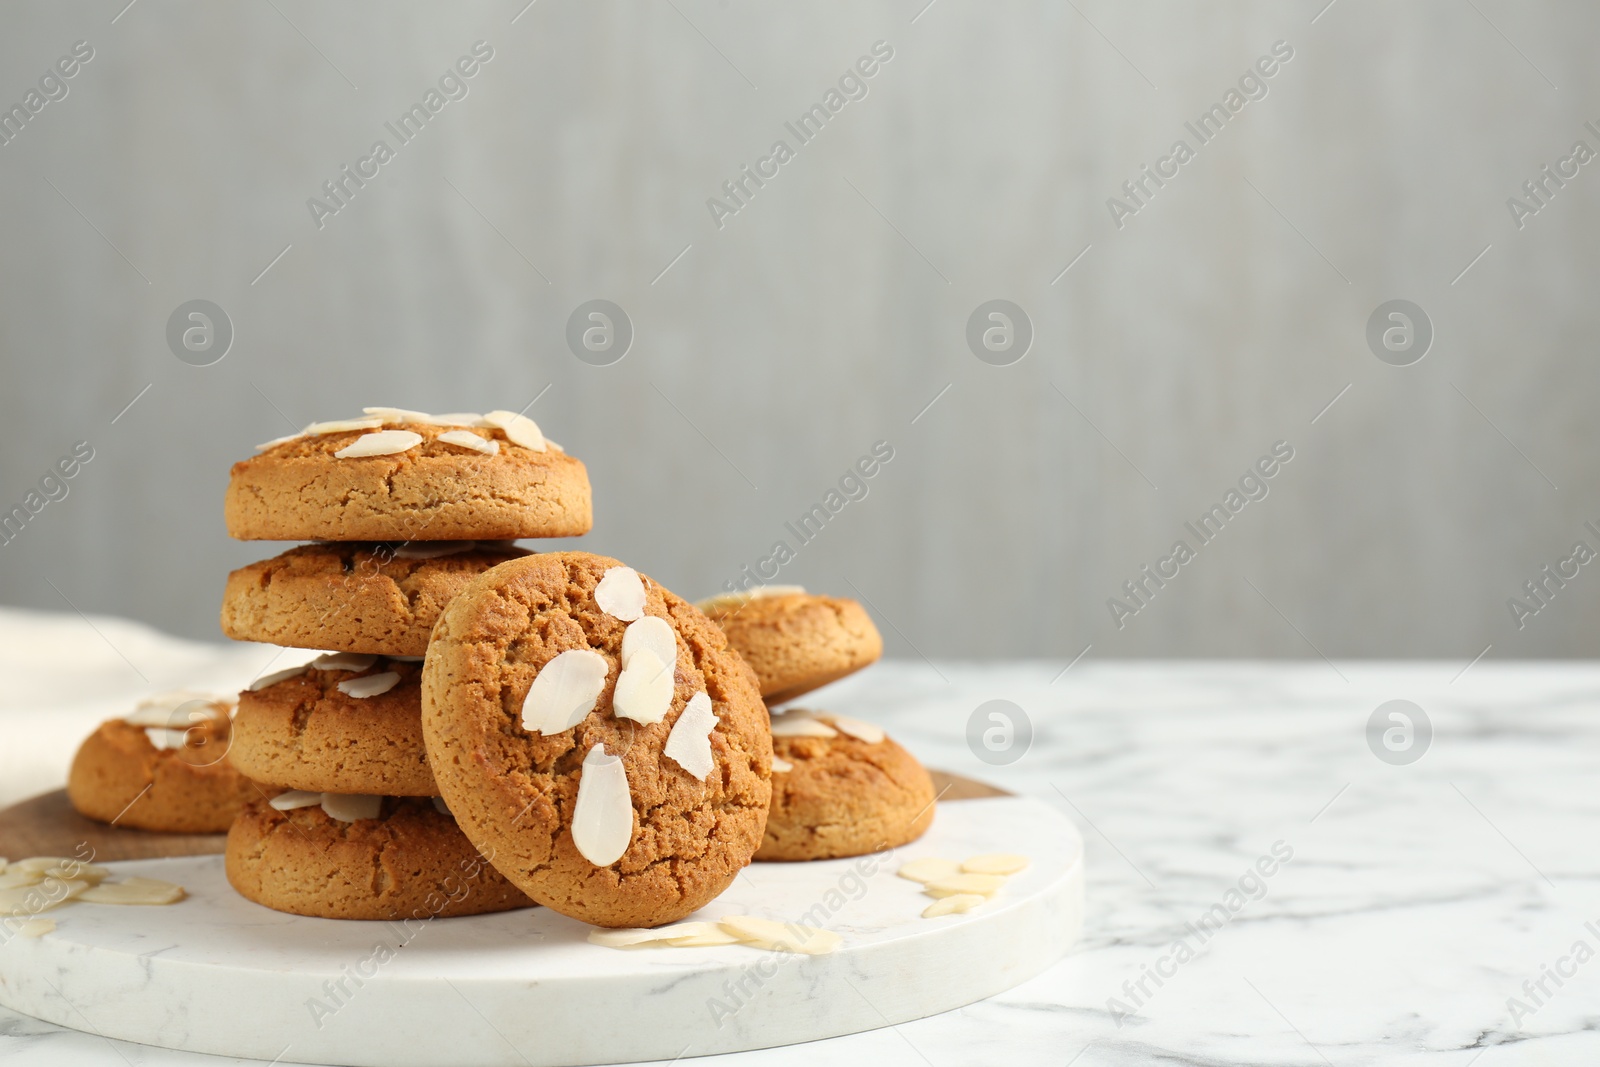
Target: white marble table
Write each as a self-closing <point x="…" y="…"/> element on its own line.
<point x="1419" y="898"/>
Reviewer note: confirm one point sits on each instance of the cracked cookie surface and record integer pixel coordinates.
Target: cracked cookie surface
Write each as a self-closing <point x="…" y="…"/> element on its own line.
<point x="797" y="642"/>
<point x="412" y="862"/>
<point x="514" y="790"/>
<point x="350" y="597"/>
<point x="844" y="797"/>
<point x="299" y="490"/>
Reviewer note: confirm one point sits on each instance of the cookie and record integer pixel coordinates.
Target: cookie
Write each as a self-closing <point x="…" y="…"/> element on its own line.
<point x="410" y="862"/>
<point x="332" y="483"/>
<point x="841" y="788"/>
<point x="305" y="732"/>
<point x="354" y="596"/>
<point x="164" y="768"/>
<point x="794" y="640"/>
<point x="619" y="793"/>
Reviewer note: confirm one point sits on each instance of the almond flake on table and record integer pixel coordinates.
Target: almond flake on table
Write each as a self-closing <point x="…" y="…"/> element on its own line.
<point x="564" y="691"/>
<point x="468" y="439"/>
<point x="629" y="938"/>
<point x="927" y="869"/>
<point x="620" y="593"/>
<point x="781" y="937"/>
<point x="381" y="443"/>
<point x="135" y="891"/>
<point x="602" y="817"/>
<point x="1004" y="863"/>
<point x="951" y="884"/>
<point x="689" y="743"/>
<point x="519" y="429"/>
<point x="954" y="904"/>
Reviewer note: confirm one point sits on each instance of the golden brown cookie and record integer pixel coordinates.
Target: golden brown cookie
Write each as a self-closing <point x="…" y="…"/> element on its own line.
<point x="843" y="795"/>
<point x="796" y="641"/>
<point x="590" y="812"/>
<point x="306" y="733"/>
<point x="186" y="785"/>
<point x="411" y="862"/>
<point x="353" y="596"/>
<point x="300" y="490"/>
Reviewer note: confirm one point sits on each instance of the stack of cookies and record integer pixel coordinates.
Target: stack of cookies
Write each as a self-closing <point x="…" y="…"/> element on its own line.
<point x="403" y="511"/>
<point x="840" y="786"/>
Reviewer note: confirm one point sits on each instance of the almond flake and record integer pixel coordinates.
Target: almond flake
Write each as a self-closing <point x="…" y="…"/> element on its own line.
<point x="602" y="818"/>
<point x="927" y="869"/>
<point x="995" y="863"/>
<point x="651" y="632"/>
<point x="640" y="936"/>
<point x="724" y="602"/>
<point x="40" y="864"/>
<point x="689" y="743"/>
<point x="17" y="878"/>
<point x="351" y="807"/>
<point x="714" y="936"/>
<point x="381" y="443"/>
<point x="621" y="593"/>
<point x="164" y="739"/>
<point x="433" y="549"/>
<point x="564" y="691"/>
<point x="458" y="418"/>
<point x="355" y="662"/>
<point x="369" y="685"/>
<point x="397" y="415"/>
<point x="37" y="928"/>
<point x="861" y="731"/>
<point x="800" y="724"/>
<point x="294" y="798"/>
<point x="277" y="676"/>
<point x="24" y="901"/>
<point x="519" y="429"/>
<point x="76" y="870"/>
<point x="644" y="689"/>
<point x="553" y="445"/>
<point x="276" y="441"/>
<point x="951" y="884"/>
<point x="781" y="937"/>
<point x="468" y="439"/>
<point x="779" y="766"/>
<point x="954" y="904"/>
<point x="317" y="429"/>
<point x="134" y="891"/>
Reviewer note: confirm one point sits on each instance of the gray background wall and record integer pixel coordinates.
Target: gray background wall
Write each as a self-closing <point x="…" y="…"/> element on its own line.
<point x="827" y="314"/>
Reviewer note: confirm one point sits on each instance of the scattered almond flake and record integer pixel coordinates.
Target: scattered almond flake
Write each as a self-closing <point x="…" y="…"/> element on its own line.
<point x="458" y="418"/>
<point x="40" y="864"/>
<point x="398" y="415"/>
<point x="927" y="869"/>
<point x="276" y="441"/>
<point x="432" y="549"/>
<point x="602" y="818"/>
<point x="861" y="731"/>
<point x="381" y="443"/>
<point x="317" y="429"/>
<point x="621" y="593"/>
<point x="441" y="807"/>
<point x="779" y="766"/>
<point x="164" y="739"/>
<point x="4" y="863"/>
<point x="717" y="936"/>
<point x="654" y="633"/>
<point x="781" y="937"/>
<point x="953" y="904"/>
<point x="1002" y="863"/>
<point x="951" y="884"/>
<point x="22" y="901"/>
<point x="294" y="798"/>
<point x="519" y="429"/>
<point x="369" y="685"/>
<point x="134" y="891"/>
<point x="800" y="724"/>
<point x="644" y="689"/>
<point x="37" y="927"/>
<point x="722" y="602"/>
<point x="77" y="870"/>
<point x="689" y="743"/>
<point x="640" y="936"/>
<point x="355" y="662"/>
<point x="468" y="439"/>
<point x="275" y="677"/>
<point x="16" y="877"/>
<point x="564" y="691"/>
<point x="351" y="807"/>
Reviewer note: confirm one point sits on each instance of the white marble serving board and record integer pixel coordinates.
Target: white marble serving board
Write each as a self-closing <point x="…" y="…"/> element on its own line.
<point x="219" y="974"/>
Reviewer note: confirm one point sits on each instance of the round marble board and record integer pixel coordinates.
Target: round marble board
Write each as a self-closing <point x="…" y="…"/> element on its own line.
<point x="218" y="974"/>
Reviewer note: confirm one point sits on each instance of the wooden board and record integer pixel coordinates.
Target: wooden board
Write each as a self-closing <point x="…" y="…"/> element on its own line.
<point x="48" y="826"/>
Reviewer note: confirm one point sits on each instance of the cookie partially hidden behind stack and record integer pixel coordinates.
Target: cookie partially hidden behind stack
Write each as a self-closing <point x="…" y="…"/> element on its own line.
<point x="795" y="641"/>
<point x="408" y="508"/>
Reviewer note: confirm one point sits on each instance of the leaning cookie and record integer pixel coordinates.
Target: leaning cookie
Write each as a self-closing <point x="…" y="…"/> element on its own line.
<point x="361" y="857"/>
<point x="840" y="787"/>
<point x="795" y="641"/>
<point x="394" y="476"/>
<point x="354" y="597"/>
<point x="163" y="768"/>
<point x="597" y="738"/>
<point x="343" y="724"/>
